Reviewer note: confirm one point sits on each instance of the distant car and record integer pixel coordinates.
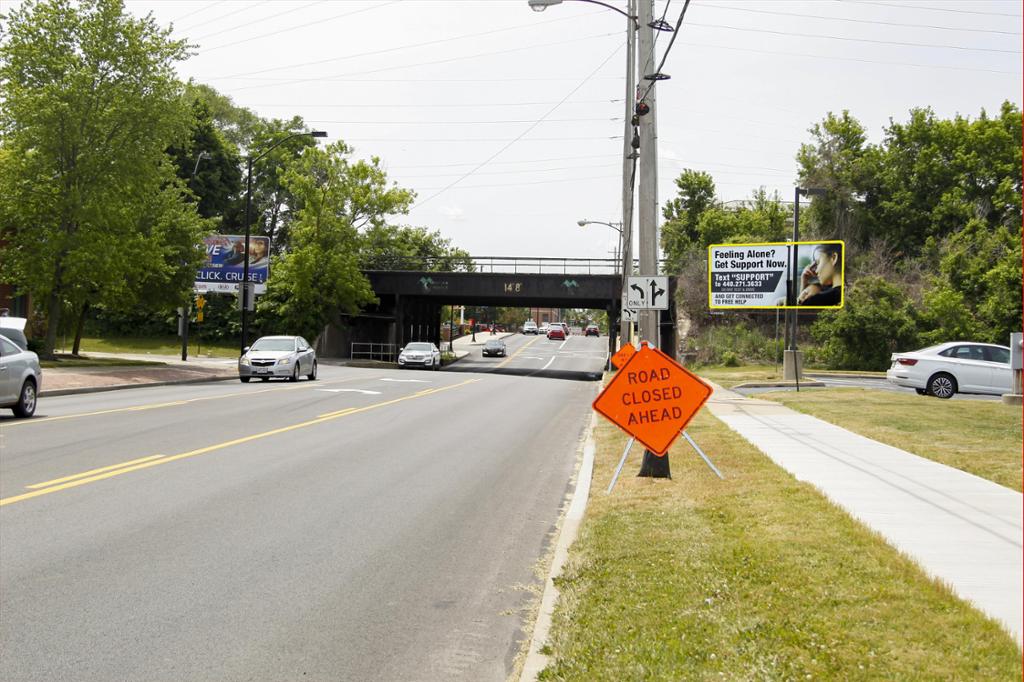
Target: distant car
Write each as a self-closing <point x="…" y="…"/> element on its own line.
<point x="20" y="378"/>
<point x="556" y="331"/>
<point x="565" y="327"/>
<point x="955" y="367"/>
<point x="494" y="347"/>
<point x="592" y="330"/>
<point x="543" y="329"/>
<point x="529" y="327"/>
<point x="420" y="354"/>
<point x="283" y="357"/>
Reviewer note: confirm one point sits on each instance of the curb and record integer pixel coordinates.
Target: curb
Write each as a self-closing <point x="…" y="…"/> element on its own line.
<point x="117" y="387"/>
<point x="838" y="375"/>
<point x="535" y="660"/>
<point x="778" y="384"/>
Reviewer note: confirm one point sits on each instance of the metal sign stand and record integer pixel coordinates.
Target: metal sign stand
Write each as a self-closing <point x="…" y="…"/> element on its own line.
<point x="700" y="452"/>
<point x="622" y="461"/>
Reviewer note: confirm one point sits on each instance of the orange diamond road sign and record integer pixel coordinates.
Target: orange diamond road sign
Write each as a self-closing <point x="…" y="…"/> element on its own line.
<point x="623" y="355"/>
<point x="652" y="398"/>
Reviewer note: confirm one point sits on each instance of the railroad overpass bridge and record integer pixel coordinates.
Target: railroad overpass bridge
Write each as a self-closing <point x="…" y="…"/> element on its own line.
<point x="412" y="292"/>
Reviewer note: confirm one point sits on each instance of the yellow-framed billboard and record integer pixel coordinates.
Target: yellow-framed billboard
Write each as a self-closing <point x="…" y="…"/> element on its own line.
<point x="770" y="275"/>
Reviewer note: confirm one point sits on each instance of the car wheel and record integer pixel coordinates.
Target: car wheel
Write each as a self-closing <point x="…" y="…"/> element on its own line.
<point x="295" y="373"/>
<point x="921" y="391"/>
<point x="312" y="373"/>
<point x="26" y="405"/>
<point x="244" y="380"/>
<point x="942" y="385"/>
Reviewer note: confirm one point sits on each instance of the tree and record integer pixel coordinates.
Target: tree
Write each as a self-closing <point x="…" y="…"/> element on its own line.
<point x="319" y="276"/>
<point x="210" y="165"/>
<point x="835" y="161"/>
<point x="385" y="247"/>
<point x="680" y="233"/>
<point x="91" y="103"/>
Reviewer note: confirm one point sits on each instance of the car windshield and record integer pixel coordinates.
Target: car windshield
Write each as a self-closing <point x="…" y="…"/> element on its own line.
<point x="494" y="343"/>
<point x="274" y="344"/>
<point x="418" y="346"/>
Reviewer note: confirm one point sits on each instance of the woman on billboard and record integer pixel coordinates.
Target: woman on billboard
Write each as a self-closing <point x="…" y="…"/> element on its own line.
<point x="821" y="282"/>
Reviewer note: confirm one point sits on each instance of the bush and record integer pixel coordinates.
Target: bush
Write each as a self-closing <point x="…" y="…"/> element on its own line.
<point x="877" y="319"/>
<point x="729" y="359"/>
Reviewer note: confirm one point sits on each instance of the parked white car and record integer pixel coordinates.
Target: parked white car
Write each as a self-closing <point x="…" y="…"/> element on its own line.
<point x="955" y="367"/>
<point x="20" y="378"/>
<point x="420" y="354"/>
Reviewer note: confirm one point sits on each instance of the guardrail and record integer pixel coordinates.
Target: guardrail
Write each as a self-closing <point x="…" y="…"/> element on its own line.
<point x="374" y="351"/>
<point x="499" y="264"/>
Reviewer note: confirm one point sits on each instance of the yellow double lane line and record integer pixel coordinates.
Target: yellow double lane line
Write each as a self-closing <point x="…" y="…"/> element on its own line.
<point x="154" y="406"/>
<point x="102" y="473"/>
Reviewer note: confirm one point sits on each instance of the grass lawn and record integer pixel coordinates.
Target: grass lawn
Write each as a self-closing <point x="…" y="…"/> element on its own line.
<point x="733" y="376"/>
<point x="757" y="577"/>
<point x="170" y="345"/>
<point x="980" y="437"/>
<point x="85" y="361"/>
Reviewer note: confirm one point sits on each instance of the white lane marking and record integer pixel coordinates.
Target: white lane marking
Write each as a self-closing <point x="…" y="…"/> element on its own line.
<point x="408" y="381"/>
<point x="348" y="390"/>
<point x="531" y="357"/>
<point x="546" y="366"/>
<point x="563" y="343"/>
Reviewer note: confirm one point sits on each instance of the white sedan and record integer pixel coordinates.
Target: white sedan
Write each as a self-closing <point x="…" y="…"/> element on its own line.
<point x="286" y="357"/>
<point x="419" y="354"/>
<point x="956" y="367"/>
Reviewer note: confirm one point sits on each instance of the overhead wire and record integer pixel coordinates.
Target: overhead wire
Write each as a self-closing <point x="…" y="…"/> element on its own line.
<point x="293" y="28"/>
<point x="201" y="9"/>
<point x="457" y="105"/>
<point x="857" y="21"/>
<point x="259" y="20"/>
<point x="675" y="33"/>
<point x="930" y="9"/>
<point x="522" y="135"/>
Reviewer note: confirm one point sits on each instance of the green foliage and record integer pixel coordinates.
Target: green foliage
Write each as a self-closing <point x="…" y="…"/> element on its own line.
<point x="385" y="247"/>
<point x="319" y="277"/>
<point x="91" y="103"/>
<point x="679" y="234"/>
<point x="209" y="164"/>
<point x="876" y="320"/>
<point x="730" y="359"/>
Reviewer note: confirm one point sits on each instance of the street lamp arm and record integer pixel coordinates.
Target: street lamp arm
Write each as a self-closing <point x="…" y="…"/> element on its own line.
<point x="312" y="133"/>
<point x="615" y="226"/>
<point x="541" y="5"/>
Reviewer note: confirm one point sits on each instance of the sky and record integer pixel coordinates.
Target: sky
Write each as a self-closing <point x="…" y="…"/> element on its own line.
<point x="508" y="123"/>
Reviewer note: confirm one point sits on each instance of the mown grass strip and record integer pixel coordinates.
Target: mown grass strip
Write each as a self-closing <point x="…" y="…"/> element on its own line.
<point x="980" y="437"/>
<point x="757" y="577"/>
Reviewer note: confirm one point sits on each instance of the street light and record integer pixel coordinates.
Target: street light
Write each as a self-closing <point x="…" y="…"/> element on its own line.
<point x="245" y="291"/>
<point x="792" y="367"/>
<point x="541" y="5"/>
<point x="618" y="228"/>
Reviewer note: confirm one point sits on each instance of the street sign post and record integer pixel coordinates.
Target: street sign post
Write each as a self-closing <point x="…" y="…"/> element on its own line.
<point x="652" y="398"/>
<point x="647" y="293"/>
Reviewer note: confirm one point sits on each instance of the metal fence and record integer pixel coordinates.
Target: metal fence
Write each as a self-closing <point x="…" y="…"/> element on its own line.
<point x="374" y="351"/>
<point x="499" y="264"/>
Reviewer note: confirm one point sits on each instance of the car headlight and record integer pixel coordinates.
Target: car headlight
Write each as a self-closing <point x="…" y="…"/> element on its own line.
<point x="284" y="361"/>
<point x="244" y="361"/>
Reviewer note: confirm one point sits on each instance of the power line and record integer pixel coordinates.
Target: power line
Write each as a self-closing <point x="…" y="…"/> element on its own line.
<point x="234" y="10"/>
<point x="431" y="63"/>
<point x="201" y="9"/>
<point x="455" y="140"/>
<point x="506" y="163"/>
<point x="471" y="105"/>
<point x="524" y="133"/>
<point x="679" y="23"/>
<point x="330" y="79"/>
<point x="260" y="20"/>
<point x="428" y="43"/>
<point x="858" y="21"/>
<point x="465" y="122"/>
<point x="855" y="40"/>
<point x="292" y="28"/>
<point x="850" y="59"/>
<point x="932" y="9"/>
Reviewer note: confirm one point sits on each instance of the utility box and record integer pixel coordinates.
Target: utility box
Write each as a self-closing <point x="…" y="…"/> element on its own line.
<point x="247" y="296"/>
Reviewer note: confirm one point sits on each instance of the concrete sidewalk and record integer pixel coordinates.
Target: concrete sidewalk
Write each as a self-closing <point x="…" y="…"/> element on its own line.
<point x="960" y="528"/>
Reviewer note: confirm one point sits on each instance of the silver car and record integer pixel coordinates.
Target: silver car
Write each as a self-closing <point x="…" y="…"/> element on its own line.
<point x="284" y="357"/>
<point x="20" y="378"/>
<point x="420" y="354"/>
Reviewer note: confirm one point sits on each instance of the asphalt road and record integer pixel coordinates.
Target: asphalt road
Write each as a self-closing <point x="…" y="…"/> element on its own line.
<point x="372" y="525"/>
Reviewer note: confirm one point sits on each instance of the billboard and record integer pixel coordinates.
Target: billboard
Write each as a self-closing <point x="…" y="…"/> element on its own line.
<point x="225" y="263"/>
<point x="752" y="276"/>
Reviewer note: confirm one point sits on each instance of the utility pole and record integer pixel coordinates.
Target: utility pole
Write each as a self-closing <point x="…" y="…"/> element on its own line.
<point x="648" y="190"/>
<point x="628" y="159"/>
